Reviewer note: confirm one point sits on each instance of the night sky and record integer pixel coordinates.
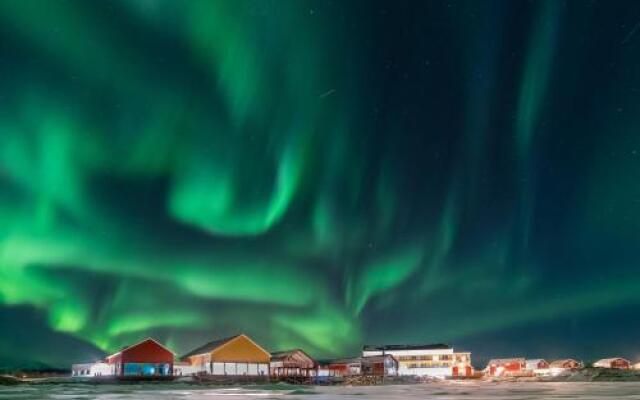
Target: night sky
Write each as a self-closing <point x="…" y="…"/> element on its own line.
<point x="319" y="174"/>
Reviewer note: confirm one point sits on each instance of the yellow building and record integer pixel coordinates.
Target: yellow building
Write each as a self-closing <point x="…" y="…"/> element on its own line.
<point x="233" y="356"/>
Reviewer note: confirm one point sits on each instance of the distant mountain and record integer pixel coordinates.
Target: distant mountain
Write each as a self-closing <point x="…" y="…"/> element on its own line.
<point x="10" y="366"/>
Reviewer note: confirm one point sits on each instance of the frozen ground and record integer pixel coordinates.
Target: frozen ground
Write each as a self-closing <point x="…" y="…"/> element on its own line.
<point x="440" y="391"/>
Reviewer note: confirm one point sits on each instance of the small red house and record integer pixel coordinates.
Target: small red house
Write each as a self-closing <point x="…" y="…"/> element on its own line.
<point x="537" y="364"/>
<point x="564" y="364"/>
<point x="616" y="363"/>
<point x="146" y="358"/>
<point x="506" y="367"/>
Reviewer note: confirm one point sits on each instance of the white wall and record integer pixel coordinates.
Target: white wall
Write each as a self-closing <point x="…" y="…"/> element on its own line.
<point x="433" y="372"/>
<point x="239" y="369"/>
<point x="542" y="371"/>
<point x="218" y="368"/>
<point x="230" y="368"/>
<point x="253" y="369"/>
<point x="94" y="370"/>
<point x="185" y="370"/>
<point x="103" y="369"/>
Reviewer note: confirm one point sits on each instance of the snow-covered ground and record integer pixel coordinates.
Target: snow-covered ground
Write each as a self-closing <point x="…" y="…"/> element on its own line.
<point x="441" y="391"/>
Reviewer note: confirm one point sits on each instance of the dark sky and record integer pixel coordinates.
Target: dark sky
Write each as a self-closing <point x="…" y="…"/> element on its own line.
<point x="319" y="174"/>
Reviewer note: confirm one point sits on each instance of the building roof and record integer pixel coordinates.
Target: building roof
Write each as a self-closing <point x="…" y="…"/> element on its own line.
<point x="439" y="346"/>
<point x="350" y="360"/>
<point x="137" y="344"/>
<point x="560" y="363"/>
<point x="209" y="347"/>
<point x="506" y="360"/>
<point x="610" y="360"/>
<point x="281" y="355"/>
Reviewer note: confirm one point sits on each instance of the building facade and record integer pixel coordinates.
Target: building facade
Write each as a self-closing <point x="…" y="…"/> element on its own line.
<point x="506" y="367"/>
<point x="90" y="370"/>
<point x="435" y="360"/>
<point x="379" y="366"/>
<point x="147" y="358"/>
<point x="615" y="363"/>
<point x="537" y="367"/>
<point x="233" y="356"/>
<point x="383" y="366"/>
<point x="292" y="363"/>
<point x="558" y="367"/>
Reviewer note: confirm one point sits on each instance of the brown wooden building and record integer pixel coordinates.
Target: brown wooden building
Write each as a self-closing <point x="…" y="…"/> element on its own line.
<point x="565" y="364"/>
<point x="292" y="363"/>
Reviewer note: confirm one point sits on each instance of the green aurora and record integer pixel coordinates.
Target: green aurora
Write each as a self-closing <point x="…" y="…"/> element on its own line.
<point x="318" y="174"/>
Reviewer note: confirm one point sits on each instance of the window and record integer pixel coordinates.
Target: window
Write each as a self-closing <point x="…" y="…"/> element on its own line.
<point x="146" y="369"/>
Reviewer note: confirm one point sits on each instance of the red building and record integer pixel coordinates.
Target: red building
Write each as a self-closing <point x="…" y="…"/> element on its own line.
<point x="567" y="363"/>
<point x="616" y="363"/>
<point x="506" y="367"/>
<point x="342" y="367"/>
<point x="537" y="364"/>
<point x="146" y="358"/>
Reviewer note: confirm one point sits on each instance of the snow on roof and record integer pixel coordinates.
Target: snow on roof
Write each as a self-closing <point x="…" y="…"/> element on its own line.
<point x="610" y="360"/>
<point x="506" y="360"/>
<point x="560" y="363"/>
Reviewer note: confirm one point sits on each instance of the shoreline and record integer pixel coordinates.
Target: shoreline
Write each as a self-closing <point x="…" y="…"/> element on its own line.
<point x="586" y="375"/>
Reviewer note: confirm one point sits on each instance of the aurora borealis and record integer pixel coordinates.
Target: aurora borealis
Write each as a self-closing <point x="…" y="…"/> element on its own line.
<point x="319" y="174"/>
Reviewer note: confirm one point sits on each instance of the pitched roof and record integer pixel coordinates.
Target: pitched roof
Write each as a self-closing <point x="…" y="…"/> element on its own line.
<point x="280" y="355"/>
<point x="506" y="360"/>
<point x="612" y="359"/>
<point x="139" y="343"/>
<point x="560" y="363"/>
<point x="438" y="346"/>
<point x="351" y="360"/>
<point x="209" y="347"/>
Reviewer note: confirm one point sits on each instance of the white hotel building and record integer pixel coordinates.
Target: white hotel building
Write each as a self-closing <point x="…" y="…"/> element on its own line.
<point x="433" y="360"/>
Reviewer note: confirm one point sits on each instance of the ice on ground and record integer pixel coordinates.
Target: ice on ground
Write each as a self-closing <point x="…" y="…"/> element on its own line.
<point x="441" y="391"/>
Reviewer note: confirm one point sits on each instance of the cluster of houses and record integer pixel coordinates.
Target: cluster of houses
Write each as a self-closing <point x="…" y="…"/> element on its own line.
<point x="521" y="367"/>
<point x="240" y="356"/>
